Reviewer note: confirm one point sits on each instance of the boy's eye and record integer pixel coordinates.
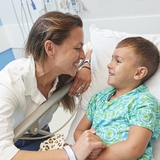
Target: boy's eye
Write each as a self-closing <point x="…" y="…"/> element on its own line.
<point x="118" y="61"/>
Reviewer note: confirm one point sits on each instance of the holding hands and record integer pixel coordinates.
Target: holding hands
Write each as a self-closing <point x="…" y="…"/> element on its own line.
<point x="88" y="144"/>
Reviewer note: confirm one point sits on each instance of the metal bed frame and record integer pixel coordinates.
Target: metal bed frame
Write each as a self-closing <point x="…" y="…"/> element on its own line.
<point x="31" y="122"/>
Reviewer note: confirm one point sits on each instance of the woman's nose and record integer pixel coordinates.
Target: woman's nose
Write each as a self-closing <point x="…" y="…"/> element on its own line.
<point x="82" y="55"/>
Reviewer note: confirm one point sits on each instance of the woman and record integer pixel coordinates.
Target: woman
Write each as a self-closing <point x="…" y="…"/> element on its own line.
<point x="53" y="52"/>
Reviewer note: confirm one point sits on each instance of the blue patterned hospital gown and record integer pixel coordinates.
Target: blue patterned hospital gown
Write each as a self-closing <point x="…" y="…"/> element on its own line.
<point x="112" y="119"/>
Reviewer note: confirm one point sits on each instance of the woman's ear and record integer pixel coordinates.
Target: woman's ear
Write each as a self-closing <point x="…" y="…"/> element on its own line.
<point x="140" y="73"/>
<point x="49" y="48"/>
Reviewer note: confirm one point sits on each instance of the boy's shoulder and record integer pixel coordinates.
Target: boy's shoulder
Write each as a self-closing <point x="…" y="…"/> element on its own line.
<point x="143" y="92"/>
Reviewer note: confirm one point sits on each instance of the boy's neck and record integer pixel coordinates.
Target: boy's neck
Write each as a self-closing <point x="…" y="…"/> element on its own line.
<point x="120" y="92"/>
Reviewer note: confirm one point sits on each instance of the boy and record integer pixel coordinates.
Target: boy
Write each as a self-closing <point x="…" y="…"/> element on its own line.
<point x="126" y="116"/>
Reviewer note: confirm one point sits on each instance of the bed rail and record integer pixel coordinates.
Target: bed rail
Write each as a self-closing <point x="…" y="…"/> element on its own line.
<point x="31" y="122"/>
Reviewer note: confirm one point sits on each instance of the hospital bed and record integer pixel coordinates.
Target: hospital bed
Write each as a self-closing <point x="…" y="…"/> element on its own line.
<point x="103" y="43"/>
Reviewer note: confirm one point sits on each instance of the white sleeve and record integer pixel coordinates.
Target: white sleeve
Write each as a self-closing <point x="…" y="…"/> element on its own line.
<point x="87" y="47"/>
<point x="8" y="101"/>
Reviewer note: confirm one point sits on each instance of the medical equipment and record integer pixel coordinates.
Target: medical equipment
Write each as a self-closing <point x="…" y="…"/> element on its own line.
<point x="50" y="5"/>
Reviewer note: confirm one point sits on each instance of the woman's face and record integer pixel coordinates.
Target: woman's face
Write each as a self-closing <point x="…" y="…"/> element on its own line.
<point x="68" y="54"/>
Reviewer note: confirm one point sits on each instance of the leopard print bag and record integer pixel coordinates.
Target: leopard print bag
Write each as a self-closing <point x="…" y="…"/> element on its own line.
<point x="55" y="142"/>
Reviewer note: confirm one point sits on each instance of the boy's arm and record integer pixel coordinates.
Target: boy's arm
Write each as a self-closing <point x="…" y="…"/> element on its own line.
<point x="84" y="124"/>
<point x="131" y="149"/>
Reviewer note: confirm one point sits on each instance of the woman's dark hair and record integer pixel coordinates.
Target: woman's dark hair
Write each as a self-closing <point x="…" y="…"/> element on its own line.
<point x="54" y="26"/>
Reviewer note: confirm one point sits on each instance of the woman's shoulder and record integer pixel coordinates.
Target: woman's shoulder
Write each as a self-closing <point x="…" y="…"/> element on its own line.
<point x="16" y="69"/>
<point x="18" y="74"/>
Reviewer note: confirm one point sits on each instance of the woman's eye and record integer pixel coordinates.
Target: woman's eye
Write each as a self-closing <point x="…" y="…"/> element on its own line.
<point x="118" y="61"/>
<point x="77" y="49"/>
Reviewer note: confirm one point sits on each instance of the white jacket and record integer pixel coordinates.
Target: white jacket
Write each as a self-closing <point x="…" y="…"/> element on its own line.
<point x="19" y="97"/>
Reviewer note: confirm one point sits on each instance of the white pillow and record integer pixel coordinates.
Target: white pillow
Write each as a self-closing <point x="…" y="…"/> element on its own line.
<point x="103" y="43"/>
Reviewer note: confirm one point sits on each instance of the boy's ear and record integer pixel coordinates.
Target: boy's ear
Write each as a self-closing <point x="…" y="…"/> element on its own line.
<point x="49" y="48"/>
<point x="140" y="73"/>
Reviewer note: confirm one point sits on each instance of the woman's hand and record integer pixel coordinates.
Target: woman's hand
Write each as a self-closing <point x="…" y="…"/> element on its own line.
<point x="81" y="82"/>
<point x="96" y="152"/>
<point x="87" y="144"/>
<point x="82" y="79"/>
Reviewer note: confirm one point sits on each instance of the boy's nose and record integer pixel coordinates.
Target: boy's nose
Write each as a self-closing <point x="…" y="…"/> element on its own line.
<point x="109" y="65"/>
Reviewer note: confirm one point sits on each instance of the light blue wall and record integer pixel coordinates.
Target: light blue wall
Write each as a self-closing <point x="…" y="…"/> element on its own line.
<point x="6" y="53"/>
<point x="6" y="57"/>
<point x="0" y="22"/>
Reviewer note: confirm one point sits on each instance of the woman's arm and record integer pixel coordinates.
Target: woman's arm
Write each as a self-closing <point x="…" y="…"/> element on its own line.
<point x="83" y="146"/>
<point x="130" y="149"/>
<point x="82" y="79"/>
<point x="35" y="155"/>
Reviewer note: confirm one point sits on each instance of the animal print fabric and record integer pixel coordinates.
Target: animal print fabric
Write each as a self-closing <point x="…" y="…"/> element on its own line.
<point x="55" y="142"/>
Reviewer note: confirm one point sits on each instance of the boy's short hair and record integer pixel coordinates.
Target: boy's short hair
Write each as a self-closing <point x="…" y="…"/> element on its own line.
<point x="147" y="53"/>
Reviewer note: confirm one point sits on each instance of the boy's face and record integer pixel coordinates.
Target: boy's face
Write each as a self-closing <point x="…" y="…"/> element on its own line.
<point x="122" y="68"/>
